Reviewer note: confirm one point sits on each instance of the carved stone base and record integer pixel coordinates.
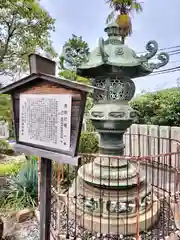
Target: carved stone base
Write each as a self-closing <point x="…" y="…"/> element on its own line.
<point x="122" y="225"/>
<point x="109" y="211"/>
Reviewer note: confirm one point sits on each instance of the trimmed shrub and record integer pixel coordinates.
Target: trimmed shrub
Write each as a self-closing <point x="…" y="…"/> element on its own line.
<point x="10" y="169"/>
<point x="4" y="146"/>
<point x="158" y="108"/>
<point x="89" y="143"/>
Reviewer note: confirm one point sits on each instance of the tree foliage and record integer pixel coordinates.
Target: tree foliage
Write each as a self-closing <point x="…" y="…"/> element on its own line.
<point x="70" y="74"/>
<point x="121" y="11"/>
<point x="5" y="108"/>
<point x="6" y="111"/>
<point x="89" y="143"/>
<point x="24" y="27"/>
<point x="78" y="49"/>
<point x="159" y="108"/>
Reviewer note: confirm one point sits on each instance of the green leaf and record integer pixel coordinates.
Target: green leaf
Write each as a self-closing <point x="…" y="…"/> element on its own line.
<point x="78" y="50"/>
<point x="23" y="189"/>
<point x="122" y="6"/>
<point x="160" y="108"/>
<point x="26" y="27"/>
<point x="110" y="17"/>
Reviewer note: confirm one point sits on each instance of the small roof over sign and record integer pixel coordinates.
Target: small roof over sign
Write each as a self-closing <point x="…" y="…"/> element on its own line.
<point x="34" y="76"/>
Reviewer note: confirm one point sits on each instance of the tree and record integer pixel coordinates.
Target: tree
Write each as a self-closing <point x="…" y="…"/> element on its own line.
<point x="24" y="26"/>
<point x="159" y="108"/>
<point x="6" y="111"/>
<point x="78" y="50"/>
<point x="121" y="11"/>
<point x="69" y="74"/>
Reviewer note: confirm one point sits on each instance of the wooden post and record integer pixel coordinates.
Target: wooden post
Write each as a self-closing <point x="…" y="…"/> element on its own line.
<point x="45" y="198"/>
<point x="39" y="64"/>
<point x="39" y="180"/>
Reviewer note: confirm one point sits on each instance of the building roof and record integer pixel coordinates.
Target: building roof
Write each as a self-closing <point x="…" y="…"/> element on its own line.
<point x="68" y="83"/>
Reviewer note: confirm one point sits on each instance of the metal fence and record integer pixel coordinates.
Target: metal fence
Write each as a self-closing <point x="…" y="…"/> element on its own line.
<point x="110" y="197"/>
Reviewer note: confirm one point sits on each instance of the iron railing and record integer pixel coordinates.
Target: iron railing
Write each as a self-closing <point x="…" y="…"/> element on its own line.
<point x="145" y="208"/>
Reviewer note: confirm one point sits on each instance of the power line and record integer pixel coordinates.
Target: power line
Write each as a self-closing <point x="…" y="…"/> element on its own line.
<point x="175" y="53"/>
<point x="170" y="53"/>
<point x="176" y="61"/>
<point x="165" y="71"/>
<point x="162" y="49"/>
<point x="157" y="74"/>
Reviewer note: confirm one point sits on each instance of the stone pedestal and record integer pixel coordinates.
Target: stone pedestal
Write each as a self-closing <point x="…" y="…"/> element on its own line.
<point x="109" y="194"/>
<point x="106" y="198"/>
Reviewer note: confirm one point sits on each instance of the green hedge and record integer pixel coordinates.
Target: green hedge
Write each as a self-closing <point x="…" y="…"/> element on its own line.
<point x="6" y="148"/>
<point x="158" y="108"/>
<point x="89" y="143"/>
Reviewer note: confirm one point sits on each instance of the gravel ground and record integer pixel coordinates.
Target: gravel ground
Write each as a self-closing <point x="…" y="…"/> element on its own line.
<point x="164" y="227"/>
<point x="28" y="230"/>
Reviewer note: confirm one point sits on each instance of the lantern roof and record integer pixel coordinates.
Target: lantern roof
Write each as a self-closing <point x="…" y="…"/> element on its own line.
<point x="111" y="55"/>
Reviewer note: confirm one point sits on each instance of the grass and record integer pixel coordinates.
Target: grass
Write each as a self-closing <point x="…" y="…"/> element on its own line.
<point x="22" y="188"/>
<point x="10" y="168"/>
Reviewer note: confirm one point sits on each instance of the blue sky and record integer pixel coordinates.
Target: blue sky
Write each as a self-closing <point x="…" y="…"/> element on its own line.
<point x="159" y="21"/>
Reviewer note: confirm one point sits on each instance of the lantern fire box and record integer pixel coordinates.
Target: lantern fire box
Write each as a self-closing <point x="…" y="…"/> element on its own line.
<point x="48" y="112"/>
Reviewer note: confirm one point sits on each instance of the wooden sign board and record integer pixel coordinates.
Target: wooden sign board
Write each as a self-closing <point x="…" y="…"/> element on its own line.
<point x="45" y="120"/>
<point x="48" y="116"/>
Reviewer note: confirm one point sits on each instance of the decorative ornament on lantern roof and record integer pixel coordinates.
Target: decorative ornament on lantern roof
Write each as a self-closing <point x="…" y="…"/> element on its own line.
<point x="112" y="55"/>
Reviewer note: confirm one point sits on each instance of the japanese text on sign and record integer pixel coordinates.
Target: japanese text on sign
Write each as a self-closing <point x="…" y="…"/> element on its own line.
<point x="45" y="120"/>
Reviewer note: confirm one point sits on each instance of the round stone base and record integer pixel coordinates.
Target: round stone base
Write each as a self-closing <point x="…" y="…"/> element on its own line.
<point x="126" y="225"/>
<point x="107" y="203"/>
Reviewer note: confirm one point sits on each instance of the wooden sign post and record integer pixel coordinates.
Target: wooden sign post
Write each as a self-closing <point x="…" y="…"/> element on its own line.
<point x="48" y="115"/>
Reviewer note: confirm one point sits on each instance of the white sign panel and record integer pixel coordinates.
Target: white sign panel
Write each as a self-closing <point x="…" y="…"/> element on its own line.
<point x="4" y="130"/>
<point x="45" y="120"/>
